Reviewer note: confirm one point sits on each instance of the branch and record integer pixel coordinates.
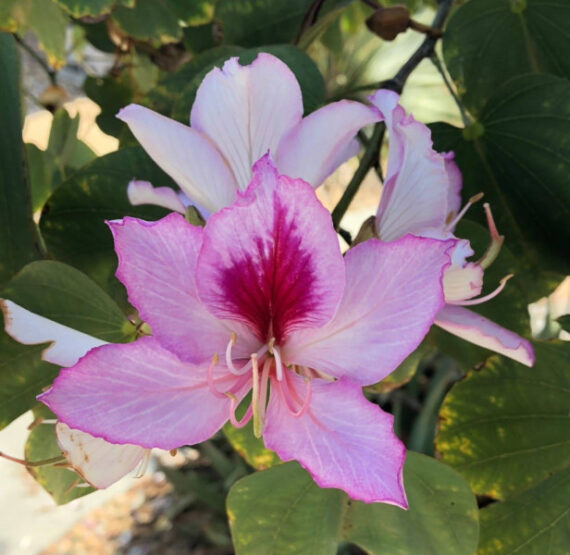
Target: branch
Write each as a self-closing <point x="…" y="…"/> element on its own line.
<point x="425" y="50"/>
<point x="310" y="18"/>
<point x="49" y="71"/>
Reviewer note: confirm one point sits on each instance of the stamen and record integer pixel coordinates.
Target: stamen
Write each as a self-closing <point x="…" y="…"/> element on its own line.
<point x="255" y="397"/>
<point x="246" y="367"/>
<point x="229" y="361"/>
<point x="173" y="452"/>
<point x="143" y="466"/>
<point x="263" y="392"/>
<point x="470" y="202"/>
<point x="288" y="397"/>
<point x="278" y="364"/>
<point x="33" y="464"/>
<point x="496" y="240"/>
<point x="211" y="383"/>
<point x="488" y="297"/>
<point x="233" y="406"/>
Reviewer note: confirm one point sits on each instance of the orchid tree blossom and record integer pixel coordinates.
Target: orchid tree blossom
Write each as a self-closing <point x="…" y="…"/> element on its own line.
<point x="97" y="461"/>
<point x="240" y="113"/>
<point x="421" y="195"/>
<point x="261" y="301"/>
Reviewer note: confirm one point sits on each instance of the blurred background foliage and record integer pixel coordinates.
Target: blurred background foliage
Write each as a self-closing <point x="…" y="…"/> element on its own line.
<point x="495" y="91"/>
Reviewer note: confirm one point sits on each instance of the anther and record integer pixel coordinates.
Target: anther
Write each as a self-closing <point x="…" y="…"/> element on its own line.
<point x="470" y="202"/>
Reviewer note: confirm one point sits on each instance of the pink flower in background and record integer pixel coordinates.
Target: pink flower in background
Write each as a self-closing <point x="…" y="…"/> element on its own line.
<point x="421" y="195"/>
<point x="98" y="462"/>
<point x="240" y="113"/>
<point x="262" y="300"/>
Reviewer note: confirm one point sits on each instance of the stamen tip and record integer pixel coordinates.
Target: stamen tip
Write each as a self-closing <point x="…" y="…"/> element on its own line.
<point x="476" y="198"/>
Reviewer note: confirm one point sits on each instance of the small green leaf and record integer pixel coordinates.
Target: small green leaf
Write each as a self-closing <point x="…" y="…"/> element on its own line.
<point x="18" y="237"/>
<point x="58" y="482"/>
<point x="149" y="20"/>
<point x="82" y="8"/>
<point x="488" y="42"/>
<point x="506" y="427"/>
<point x="274" y="512"/>
<point x="67" y="296"/>
<point x="537" y="521"/>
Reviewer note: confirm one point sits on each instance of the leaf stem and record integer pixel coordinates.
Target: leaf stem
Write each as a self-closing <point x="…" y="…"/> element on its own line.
<point x="48" y="70"/>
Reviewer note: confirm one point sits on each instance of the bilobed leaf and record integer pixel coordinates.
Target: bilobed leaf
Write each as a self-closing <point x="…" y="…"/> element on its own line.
<point x="535" y="522"/>
<point x="505" y="428"/>
<point x="18" y="235"/>
<point x="67" y="296"/>
<point x="519" y="156"/>
<point x="41" y="445"/>
<point x="488" y="42"/>
<point x="149" y="20"/>
<point x="274" y="511"/>
<point x="82" y="8"/>
<point x="73" y="220"/>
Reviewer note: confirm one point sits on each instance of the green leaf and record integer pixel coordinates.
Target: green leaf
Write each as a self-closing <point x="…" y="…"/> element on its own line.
<point x="18" y="237"/>
<point x="522" y="162"/>
<point x="274" y="511"/>
<point x="305" y="70"/>
<point x="23" y="375"/>
<point x="193" y="12"/>
<point x="149" y="20"/>
<point x="67" y="296"/>
<point x="506" y="427"/>
<point x="82" y="8"/>
<point x="73" y="220"/>
<point x="537" y="521"/>
<point x="488" y="42"/>
<point x="57" y="481"/>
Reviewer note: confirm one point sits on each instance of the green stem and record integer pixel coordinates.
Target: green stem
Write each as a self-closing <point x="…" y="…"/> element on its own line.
<point x="369" y="160"/>
<point x="49" y="71"/>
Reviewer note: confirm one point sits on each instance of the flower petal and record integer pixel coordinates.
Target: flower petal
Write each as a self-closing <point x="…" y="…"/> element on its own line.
<point x="97" y="461"/>
<point x="462" y="280"/>
<point x="184" y="154"/>
<point x="479" y="330"/>
<point x="142" y="192"/>
<point x="157" y="265"/>
<point x="140" y="393"/>
<point x="322" y="141"/>
<point x="393" y="292"/>
<point x="67" y="345"/>
<point x="343" y="440"/>
<point x="418" y="188"/>
<point x="272" y="261"/>
<point x="245" y="110"/>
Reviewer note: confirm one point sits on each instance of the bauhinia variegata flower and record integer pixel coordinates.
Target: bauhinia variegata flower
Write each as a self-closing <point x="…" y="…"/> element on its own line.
<point x="261" y="301"/>
<point x="421" y="195"/>
<point x="240" y="113"/>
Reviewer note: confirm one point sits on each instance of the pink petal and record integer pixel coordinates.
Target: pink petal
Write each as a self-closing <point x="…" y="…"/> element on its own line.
<point x="455" y="180"/>
<point x="142" y="192"/>
<point x="272" y="261"/>
<point x="343" y="440"/>
<point x="157" y="265"/>
<point x="322" y="141"/>
<point x="98" y="462"/>
<point x="67" y="345"/>
<point x="184" y="154"/>
<point x="418" y="192"/>
<point x="479" y="330"/>
<point x="245" y="110"/>
<point x="139" y="393"/>
<point x="393" y="292"/>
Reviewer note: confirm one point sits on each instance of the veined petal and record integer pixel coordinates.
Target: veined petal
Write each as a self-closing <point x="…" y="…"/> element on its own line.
<point x="97" y="461"/>
<point x="343" y="440"/>
<point x="462" y="280"/>
<point x="141" y="394"/>
<point x="157" y="265"/>
<point x="272" y="260"/>
<point x="393" y="292"/>
<point x="322" y="141"/>
<point x="481" y="331"/>
<point x="418" y="192"/>
<point x="246" y="110"/>
<point x="67" y="345"/>
<point x="142" y="192"/>
<point x="185" y="154"/>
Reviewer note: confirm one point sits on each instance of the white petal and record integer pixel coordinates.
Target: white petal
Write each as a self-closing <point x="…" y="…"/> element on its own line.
<point x="68" y="345"/>
<point x="142" y="192"/>
<point x="97" y="461"/>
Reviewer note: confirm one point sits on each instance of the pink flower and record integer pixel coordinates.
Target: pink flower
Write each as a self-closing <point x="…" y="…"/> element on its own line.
<point x="421" y="195"/>
<point x="240" y="113"/>
<point x="262" y="300"/>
